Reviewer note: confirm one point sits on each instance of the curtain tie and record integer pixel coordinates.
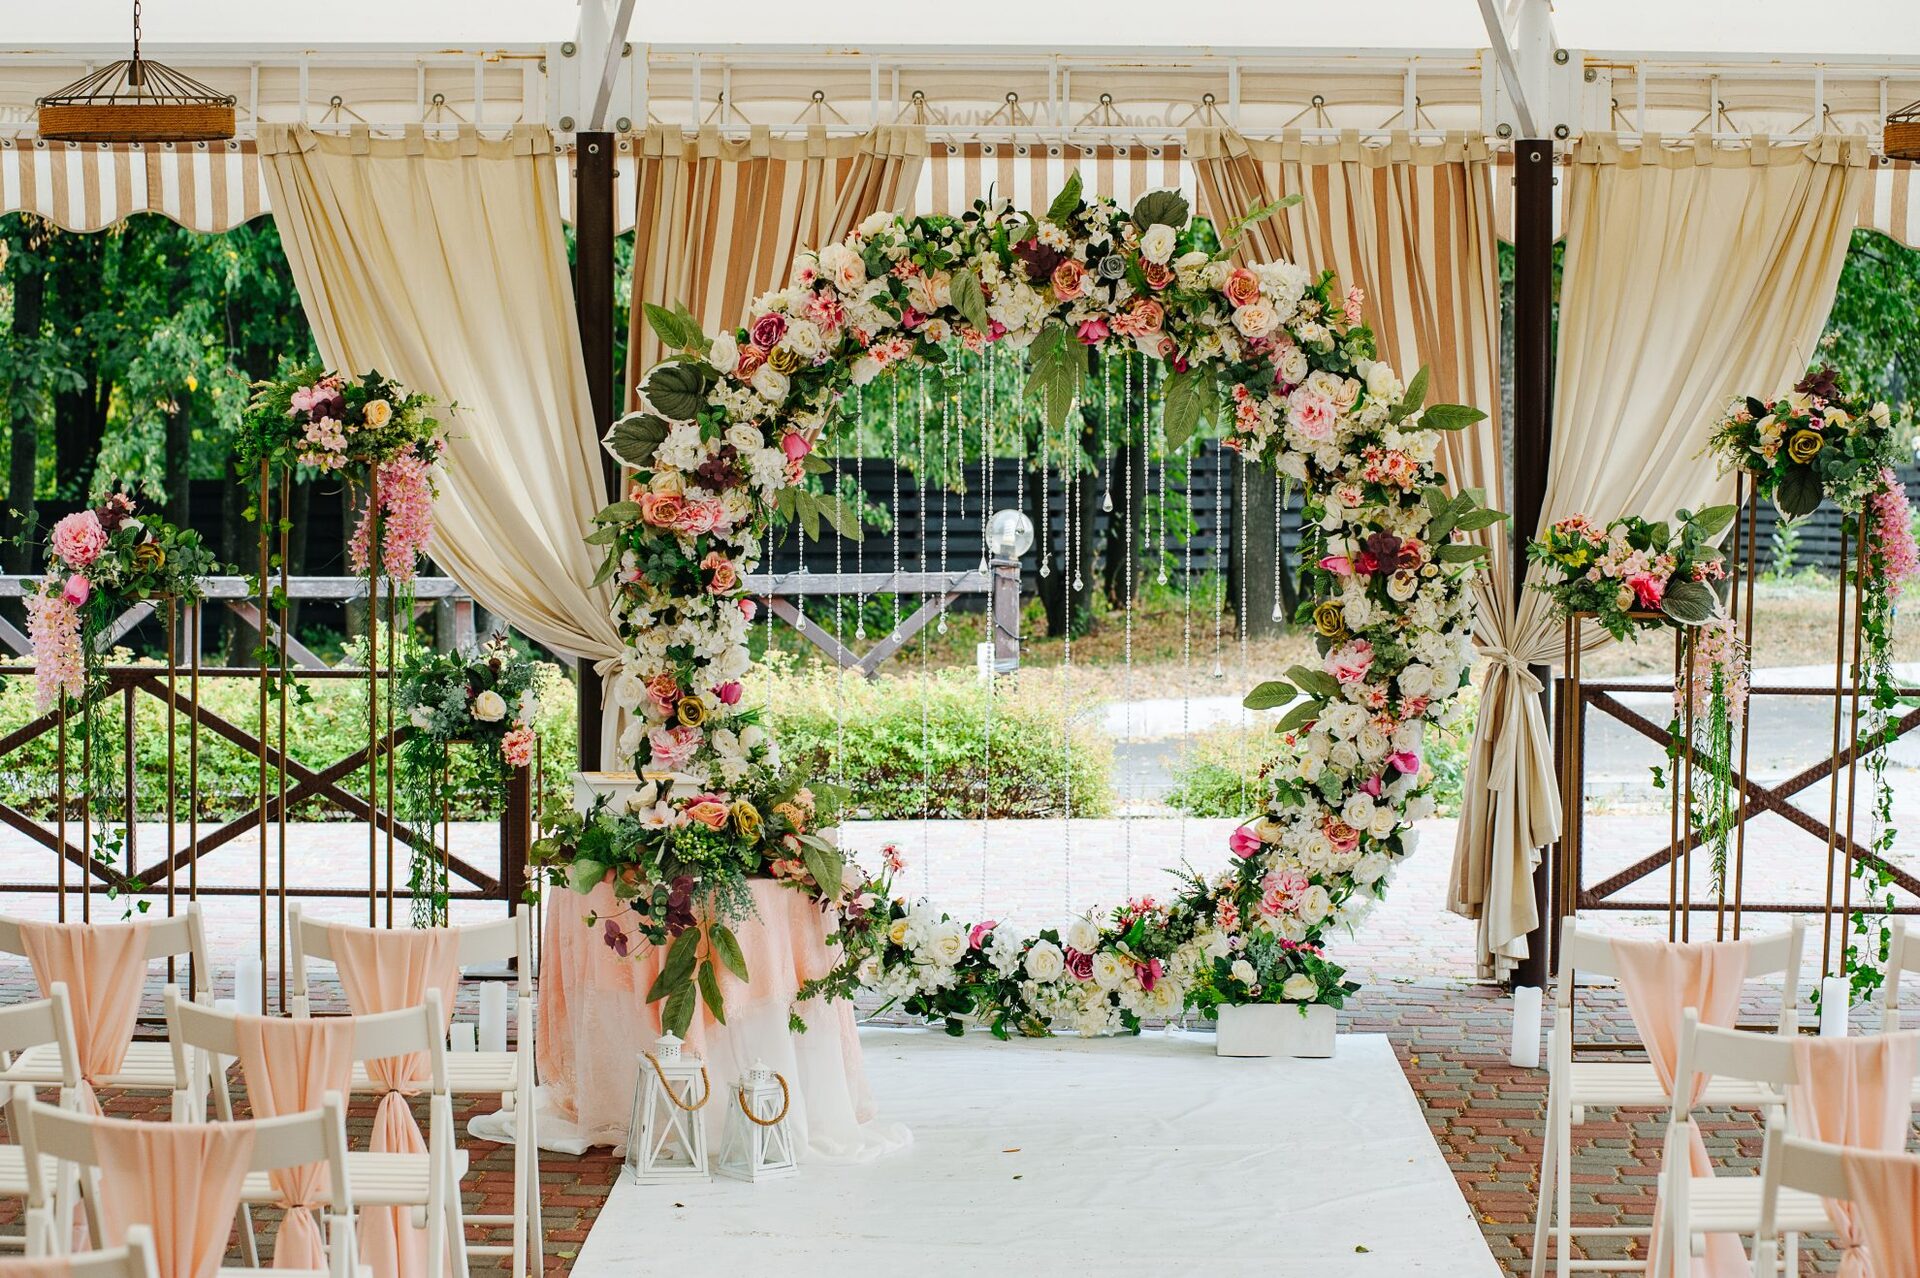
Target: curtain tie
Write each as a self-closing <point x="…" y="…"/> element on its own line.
<point x="1516" y="667"/>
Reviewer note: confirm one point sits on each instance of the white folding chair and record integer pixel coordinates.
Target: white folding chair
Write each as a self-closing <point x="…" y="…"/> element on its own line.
<point x="43" y="1023"/>
<point x="1790" y="1170"/>
<point x="147" y="1066"/>
<point x="507" y="1075"/>
<point x="1573" y="1086"/>
<point x="1702" y="1205"/>
<point x="135" y="1260"/>
<point x="295" y="1140"/>
<point x="202" y="1040"/>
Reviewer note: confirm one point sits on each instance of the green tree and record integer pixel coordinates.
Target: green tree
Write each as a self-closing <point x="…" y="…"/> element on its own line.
<point x="1873" y="331"/>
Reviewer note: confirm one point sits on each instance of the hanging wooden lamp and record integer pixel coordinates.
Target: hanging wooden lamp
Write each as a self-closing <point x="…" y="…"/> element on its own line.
<point x="1902" y="137"/>
<point x="136" y="100"/>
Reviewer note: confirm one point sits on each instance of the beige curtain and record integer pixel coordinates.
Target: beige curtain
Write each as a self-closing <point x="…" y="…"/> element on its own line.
<point x="720" y="220"/>
<point x="1412" y="225"/>
<point x="441" y="263"/>
<point x="1692" y="273"/>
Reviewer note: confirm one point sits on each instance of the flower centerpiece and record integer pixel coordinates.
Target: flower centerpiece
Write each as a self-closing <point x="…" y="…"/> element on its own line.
<point x="483" y="698"/>
<point x="1814" y="443"/>
<point x="1277" y="358"/>
<point x="371" y="429"/>
<point x="1634" y="573"/>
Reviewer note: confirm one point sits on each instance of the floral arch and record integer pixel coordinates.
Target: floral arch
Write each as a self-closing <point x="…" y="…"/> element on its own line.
<point x="1277" y="359"/>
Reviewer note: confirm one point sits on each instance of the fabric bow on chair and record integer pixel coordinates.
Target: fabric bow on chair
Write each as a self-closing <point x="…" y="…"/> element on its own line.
<point x="1855" y="1092"/>
<point x="103" y="969"/>
<point x="181" y="1180"/>
<point x="290" y="1065"/>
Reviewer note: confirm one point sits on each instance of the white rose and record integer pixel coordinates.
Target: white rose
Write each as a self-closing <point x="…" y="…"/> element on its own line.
<point x="1420" y="807"/>
<point x="1242" y="971"/>
<point x="1218" y="945"/>
<point x="1384" y="822"/>
<point x="1381" y="383"/>
<point x="1300" y="988"/>
<point x="1357" y="811"/>
<point x="803" y="339"/>
<point x="1373" y="743"/>
<point x="1108" y="969"/>
<point x="1045" y="962"/>
<point x="1315" y="904"/>
<point x="771" y="383"/>
<point x="1416" y="680"/>
<point x="1157" y="243"/>
<point x="1082" y="935"/>
<point x="868" y="973"/>
<point x="865" y="369"/>
<point x="1371" y="868"/>
<point x="745" y="437"/>
<point x="897" y="931"/>
<point x="724" y="354"/>
<point x="946" y="943"/>
<point x="489" y="707"/>
<point x="421" y="718"/>
<point x="1255" y="319"/>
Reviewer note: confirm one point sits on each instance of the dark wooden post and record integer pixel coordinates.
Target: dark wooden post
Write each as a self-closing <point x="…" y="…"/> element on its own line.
<point x="516" y="835"/>
<point x="593" y="303"/>
<point x="1533" y="179"/>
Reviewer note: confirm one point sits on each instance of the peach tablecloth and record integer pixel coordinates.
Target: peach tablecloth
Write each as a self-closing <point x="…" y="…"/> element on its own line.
<point x="595" y="1021"/>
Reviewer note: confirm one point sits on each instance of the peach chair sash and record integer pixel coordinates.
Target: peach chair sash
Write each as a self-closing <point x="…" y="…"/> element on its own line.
<point x="1660" y="980"/>
<point x="1886" y="1201"/>
<point x="104" y="967"/>
<point x="36" y="1267"/>
<point x="1855" y="1092"/>
<point x="390" y="970"/>
<point x="181" y="1180"/>
<point x="290" y="1065"/>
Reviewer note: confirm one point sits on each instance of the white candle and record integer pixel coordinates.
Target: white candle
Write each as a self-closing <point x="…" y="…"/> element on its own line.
<point x="1835" y="991"/>
<point x="247" y="991"/>
<point x="1525" y="1051"/>
<point x="461" y="1037"/>
<point x="493" y="1017"/>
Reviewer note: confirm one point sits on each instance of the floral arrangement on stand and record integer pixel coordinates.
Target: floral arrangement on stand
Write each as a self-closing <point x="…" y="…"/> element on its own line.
<point x="100" y="563"/>
<point x="1819" y="443"/>
<point x="482" y="698"/>
<point x="372" y="430"/>
<point x="1274" y="355"/>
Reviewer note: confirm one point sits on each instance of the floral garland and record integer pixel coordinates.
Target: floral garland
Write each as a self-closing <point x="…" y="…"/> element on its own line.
<point x="1274" y="354"/>
<point x="1819" y="443"/>
<point x="484" y="698"/>
<point x="101" y="562"/>
<point x="371" y="427"/>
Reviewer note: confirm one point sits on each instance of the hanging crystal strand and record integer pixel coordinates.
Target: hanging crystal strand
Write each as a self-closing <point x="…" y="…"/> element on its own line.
<point x="1076" y="530"/>
<point x="926" y="723"/>
<point x="1106" y="430"/>
<point x="1046" y="502"/>
<point x="860" y="494"/>
<point x="840" y="683"/>
<point x="1279" y="514"/>
<point x="1166" y="460"/>
<point x="948" y="410"/>
<point x="893" y="456"/>
<point x="1240" y="613"/>
<point x="986" y="470"/>
<point x="1127" y="560"/>
<point x="1186" y="640"/>
<point x="986" y="725"/>
<point x="1071" y="568"/>
<point x="1222" y="544"/>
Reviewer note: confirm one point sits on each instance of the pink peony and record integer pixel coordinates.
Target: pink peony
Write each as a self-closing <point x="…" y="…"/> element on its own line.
<point x="77" y="591"/>
<point x="1093" y="332"/>
<point x="722" y="575"/>
<point x="728" y="693"/>
<point x="977" y="935"/>
<point x="1647" y="588"/>
<point x="79" y="538"/>
<point x="1243" y="843"/>
<point x="1312" y="414"/>
<point x="1350" y="662"/>
<point x="673" y="748"/>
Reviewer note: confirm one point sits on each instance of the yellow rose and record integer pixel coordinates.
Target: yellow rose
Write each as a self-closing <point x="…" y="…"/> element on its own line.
<point x="784" y="360"/>
<point x="378" y="412"/>
<point x="898" y="932"/>
<point x="149" y="557"/>
<point x="746" y="819"/>
<point x="1329" y="620"/>
<point x="1804" y="445"/>
<point x="691" y="711"/>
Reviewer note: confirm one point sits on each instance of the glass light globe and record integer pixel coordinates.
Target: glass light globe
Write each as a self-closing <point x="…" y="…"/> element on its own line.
<point x="1009" y="534"/>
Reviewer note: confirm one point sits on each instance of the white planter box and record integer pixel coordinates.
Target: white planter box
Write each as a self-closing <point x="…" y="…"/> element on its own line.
<point x="1275" y="1029"/>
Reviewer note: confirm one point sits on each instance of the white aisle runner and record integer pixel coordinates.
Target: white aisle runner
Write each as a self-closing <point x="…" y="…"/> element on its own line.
<point x="1144" y="1156"/>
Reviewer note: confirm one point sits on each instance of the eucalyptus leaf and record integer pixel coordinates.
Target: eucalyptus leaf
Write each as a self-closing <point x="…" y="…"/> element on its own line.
<point x="727" y="946"/>
<point x="619" y="512"/>
<point x="710" y="991"/>
<point x="677" y="971"/>
<point x="678" y="1014"/>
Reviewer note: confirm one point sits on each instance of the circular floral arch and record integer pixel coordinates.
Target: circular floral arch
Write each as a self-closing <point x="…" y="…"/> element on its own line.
<point x="1278" y="361"/>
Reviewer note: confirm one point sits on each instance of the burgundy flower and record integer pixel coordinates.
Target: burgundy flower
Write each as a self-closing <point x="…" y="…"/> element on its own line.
<point x="615" y="938"/>
<point x="1079" y="965"/>
<point x="1823" y="384"/>
<point x="1385" y="549"/>
<point x="719" y="472"/>
<point x="1038" y="259"/>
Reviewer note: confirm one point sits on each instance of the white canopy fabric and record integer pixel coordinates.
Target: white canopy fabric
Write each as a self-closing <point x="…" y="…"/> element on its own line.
<point x="1840" y="27"/>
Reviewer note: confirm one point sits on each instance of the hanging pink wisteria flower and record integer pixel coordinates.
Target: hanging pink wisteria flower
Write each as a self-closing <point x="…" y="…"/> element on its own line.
<point x="1718" y="655"/>
<point x="59" y="665"/>
<point x="1895" y="556"/>
<point x="403" y="493"/>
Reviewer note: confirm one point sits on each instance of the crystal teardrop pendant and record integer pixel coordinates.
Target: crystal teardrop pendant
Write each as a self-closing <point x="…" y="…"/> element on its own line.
<point x="1219" y="672"/>
<point x="942" y="627"/>
<point x="1276" y="611"/>
<point x="1106" y="501"/>
<point x="1163" y="576"/>
<point x="1077" y="583"/>
<point x="1046" y="568"/>
<point x="861" y="634"/>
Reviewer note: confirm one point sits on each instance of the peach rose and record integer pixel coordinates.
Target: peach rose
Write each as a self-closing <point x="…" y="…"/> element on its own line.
<point x="1069" y="280"/>
<point x="662" y="510"/>
<point x="709" y="810"/>
<point x="723" y="576"/>
<point x="1242" y="286"/>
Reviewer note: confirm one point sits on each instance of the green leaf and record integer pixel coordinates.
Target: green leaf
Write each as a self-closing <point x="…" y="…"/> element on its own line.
<point x="1257" y="213"/>
<point x="1414" y="396"/>
<point x="844" y="518"/>
<point x="634" y="438"/>
<point x="678" y="389"/>
<point x="807" y="506"/>
<point x="1799" y="493"/>
<point x="584" y="876"/>
<point x="710" y="991"/>
<point x="677" y="971"/>
<point x="1475" y="520"/>
<point x="1317" y="682"/>
<point x="727" y="946"/>
<point x="1054" y="367"/>
<point x="1450" y="417"/>
<point x="667" y="326"/>
<point x="678" y="1014"/>
<point x="1460" y="552"/>
<point x="1160" y="208"/>
<point x="1067" y="203"/>
<point x="1190" y="398"/>
<point x="1268" y="695"/>
<point x="823" y="861"/>
<point x="1713" y="521"/>
<point x="969" y="299"/>
<point x="1301" y="715"/>
<point x="603" y="536"/>
<point x="1691" y="603"/>
<point x="619" y="512"/>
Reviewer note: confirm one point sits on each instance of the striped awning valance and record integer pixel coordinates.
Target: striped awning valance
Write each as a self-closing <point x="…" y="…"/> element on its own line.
<point x="1030" y="173"/>
<point x="205" y="186"/>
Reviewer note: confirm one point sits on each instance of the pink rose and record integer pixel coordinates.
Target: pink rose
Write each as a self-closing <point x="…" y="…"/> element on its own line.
<point x="1350" y="662"/>
<point x="79" y="538"/>
<point x="1647" y="588"/>
<point x="722" y="574"/>
<point x="1312" y="414"/>
<point x="1343" y="837"/>
<point x="1069" y="280"/>
<point x="1338" y="565"/>
<point x="663" y="690"/>
<point x="1158" y="274"/>
<point x="748" y="608"/>
<point x="728" y="693"/>
<point x="709" y="810"/>
<point x="1242" y="286"/>
<point x="1093" y="332"/>
<point x="1243" y="842"/>
<point x="795" y="445"/>
<point x="662" y="510"/>
<point x="766" y="331"/>
<point x="977" y="934"/>
<point x="78" y="590"/>
<point x="1406" y="761"/>
<point x="1079" y="966"/>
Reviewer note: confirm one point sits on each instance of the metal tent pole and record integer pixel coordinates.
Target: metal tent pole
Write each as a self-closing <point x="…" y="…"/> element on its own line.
<point x="593" y="302"/>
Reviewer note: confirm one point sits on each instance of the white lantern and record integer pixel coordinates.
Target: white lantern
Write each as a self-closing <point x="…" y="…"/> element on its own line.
<point x="759" y="1138"/>
<point x="666" y="1139"/>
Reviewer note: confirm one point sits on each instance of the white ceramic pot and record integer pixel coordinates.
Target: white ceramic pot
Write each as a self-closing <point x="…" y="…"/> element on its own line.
<point x="1275" y="1029"/>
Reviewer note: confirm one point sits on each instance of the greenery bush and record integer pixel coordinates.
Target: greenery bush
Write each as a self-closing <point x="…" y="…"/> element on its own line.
<point x="907" y="758"/>
<point x="1215" y="776"/>
<point x="326" y="721"/>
